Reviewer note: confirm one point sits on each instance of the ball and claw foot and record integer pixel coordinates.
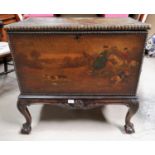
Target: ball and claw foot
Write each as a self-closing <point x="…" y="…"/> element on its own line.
<point x="129" y="128"/>
<point x="26" y="129"/>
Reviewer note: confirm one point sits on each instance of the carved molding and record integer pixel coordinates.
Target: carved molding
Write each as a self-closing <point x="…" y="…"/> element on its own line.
<point x="78" y="24"/>
<point x="77" y="103"/>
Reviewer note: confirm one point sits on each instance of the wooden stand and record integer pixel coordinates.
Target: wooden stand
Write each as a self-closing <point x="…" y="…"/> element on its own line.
<point x="78" y="102"/>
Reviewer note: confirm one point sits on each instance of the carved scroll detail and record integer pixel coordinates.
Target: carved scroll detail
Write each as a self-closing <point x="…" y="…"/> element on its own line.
<point x="78" y="104"/>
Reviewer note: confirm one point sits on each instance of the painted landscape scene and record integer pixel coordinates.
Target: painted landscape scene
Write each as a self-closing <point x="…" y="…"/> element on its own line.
<point x="106" y="70"/>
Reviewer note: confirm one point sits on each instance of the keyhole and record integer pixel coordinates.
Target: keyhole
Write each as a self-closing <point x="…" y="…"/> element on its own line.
<point x="77" y="37"/>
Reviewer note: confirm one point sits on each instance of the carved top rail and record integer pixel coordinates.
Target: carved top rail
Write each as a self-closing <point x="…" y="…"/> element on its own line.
<point x="78" y="24"/>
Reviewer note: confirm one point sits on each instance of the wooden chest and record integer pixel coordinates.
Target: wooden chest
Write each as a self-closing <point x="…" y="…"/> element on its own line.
<point x="78" y="62"/>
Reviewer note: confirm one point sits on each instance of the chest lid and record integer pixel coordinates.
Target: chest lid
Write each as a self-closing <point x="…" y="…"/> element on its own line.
<point x="78" y="24"/>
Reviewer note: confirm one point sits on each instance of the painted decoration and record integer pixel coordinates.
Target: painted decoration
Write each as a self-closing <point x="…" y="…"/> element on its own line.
<point x="83" y="64"/>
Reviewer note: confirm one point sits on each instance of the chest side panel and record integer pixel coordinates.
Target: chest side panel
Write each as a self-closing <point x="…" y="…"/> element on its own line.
<point x="78" y="64"/>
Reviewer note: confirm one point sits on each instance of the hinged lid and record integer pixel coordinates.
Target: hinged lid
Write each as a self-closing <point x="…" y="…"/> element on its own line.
<point x="78" y="24"/>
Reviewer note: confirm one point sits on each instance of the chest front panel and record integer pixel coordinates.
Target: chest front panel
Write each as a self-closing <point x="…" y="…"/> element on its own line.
<point x="106" y="63"/>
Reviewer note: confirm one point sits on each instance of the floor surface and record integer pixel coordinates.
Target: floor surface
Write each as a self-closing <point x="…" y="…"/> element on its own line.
<point x="55" y="123"/>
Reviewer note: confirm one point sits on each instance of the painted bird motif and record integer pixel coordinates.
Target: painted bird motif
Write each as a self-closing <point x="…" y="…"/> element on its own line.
<point x="100" y="61"/>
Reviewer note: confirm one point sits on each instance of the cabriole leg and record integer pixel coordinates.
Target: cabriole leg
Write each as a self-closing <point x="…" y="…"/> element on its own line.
<point x="22" y="107"/>
<point x="133" y="107"/>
